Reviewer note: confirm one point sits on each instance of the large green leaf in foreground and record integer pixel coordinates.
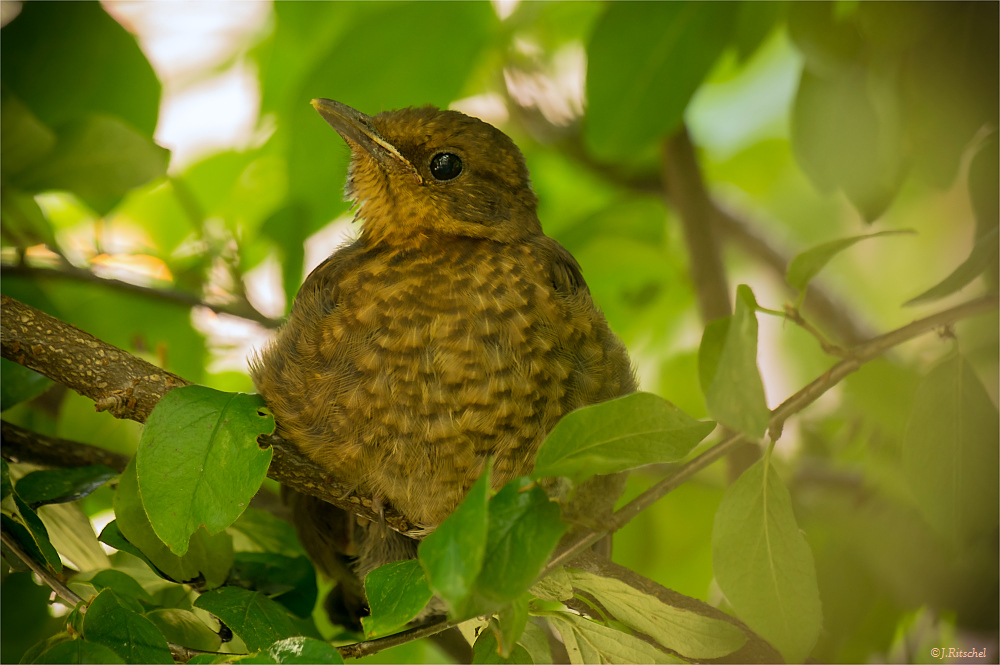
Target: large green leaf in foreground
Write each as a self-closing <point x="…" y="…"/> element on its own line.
<point x="198" y="461"/>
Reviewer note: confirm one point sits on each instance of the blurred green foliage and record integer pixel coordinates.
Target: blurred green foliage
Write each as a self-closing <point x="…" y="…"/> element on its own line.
<point x="811" y="121"/>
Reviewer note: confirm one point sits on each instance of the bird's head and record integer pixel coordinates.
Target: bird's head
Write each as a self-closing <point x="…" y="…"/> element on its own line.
<point x="423" y="171"/>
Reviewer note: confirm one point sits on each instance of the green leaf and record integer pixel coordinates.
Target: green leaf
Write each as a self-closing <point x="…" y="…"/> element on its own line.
<point x="258" y="620"/>
<point x="754" y="23"/>
<point x="20" y="384"/>
<point x="156" y="208"/>
<point x="764" y="565"/>
<point x="24" y="139"/>
<point x="616" y="435"/>
<point x="950" y="452"/>
<point x="23" y="221"/>
<point x="735" y="395"/>
<point x="554" y="587"/>
<point x="185" y="628"/>
<point x="536" y="642"/>
<point x="22" y="537"/>
<point x="72" y="534"/>
<point x="713" y="341"/>
<point x="453" y="555"/>
<point x="396" y="593"/>
<point x="587" y="641"/>
<point x="510" y="623"/>
<point x="130" y="635"/>
<point x="486" y="650"/>
<point x="668" y="48"/>
<point x="949" y="86"/>
<point x="62" y="485"/>
<point x="256" y="658"/>
<point x="805" y="265"/>
<point x="828" y="45"/>
<point x="243" y="188"/>
<point x="984" y="254"/>
<point x="288" y="227"/>
<point x="984" y="171"/>
<point x="6" y="488"/>
<point x="208" y="556"/>
<point x="39" y="534"/>
<point x="32" y="654"/>
<point x="112" y="536"/>
<point x="290" y="581"/>
<point x="841" y="140"/>
<point x="304" y="650"/>
<point x="64" y="60"/>
<point x="99" y="159"/>
<point x="689" y="634"/>
<point x="79" y="651"/>
<point x="123" y="585"/>
<point x="260" y="531"/>
<point x="524" y="528"/>
<point x="199" y="463"/>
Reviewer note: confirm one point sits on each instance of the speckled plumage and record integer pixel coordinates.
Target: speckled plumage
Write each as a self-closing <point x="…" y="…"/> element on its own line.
<point x="450" y="331"/>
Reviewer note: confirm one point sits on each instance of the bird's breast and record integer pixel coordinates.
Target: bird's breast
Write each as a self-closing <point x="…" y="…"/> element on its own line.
<point x="423" y="363"/>
<point x="448" y="330"/>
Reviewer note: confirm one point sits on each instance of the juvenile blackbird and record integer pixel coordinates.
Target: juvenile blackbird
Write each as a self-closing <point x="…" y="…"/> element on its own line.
<point x="452" y="330"/>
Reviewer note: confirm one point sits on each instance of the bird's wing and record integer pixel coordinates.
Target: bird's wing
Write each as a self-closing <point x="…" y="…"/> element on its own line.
<point x="324" y="279"/>
<point x="564" y="271"/>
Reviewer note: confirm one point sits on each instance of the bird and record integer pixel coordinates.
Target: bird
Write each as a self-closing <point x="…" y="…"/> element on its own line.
<point x="451" y="331"/>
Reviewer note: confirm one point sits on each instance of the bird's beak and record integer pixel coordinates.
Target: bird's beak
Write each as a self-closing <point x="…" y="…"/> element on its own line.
<point x="358" y="128"/>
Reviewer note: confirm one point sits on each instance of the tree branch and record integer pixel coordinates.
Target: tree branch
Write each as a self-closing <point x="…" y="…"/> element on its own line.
<point x="242" y="308"/>
<point x="359" y="649"/>
<point x="129" y="387"/>
<point x="117" y="381"/>
<point x="21" y="445"/>
<point x="819" y="302"/>
<point x="685" y="190"/>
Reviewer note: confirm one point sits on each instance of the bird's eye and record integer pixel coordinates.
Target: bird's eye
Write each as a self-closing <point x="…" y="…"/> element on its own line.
<point x="445" y="166"/>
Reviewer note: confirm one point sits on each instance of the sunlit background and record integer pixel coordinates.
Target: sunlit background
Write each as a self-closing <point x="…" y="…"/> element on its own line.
<point x="740" y="120"/>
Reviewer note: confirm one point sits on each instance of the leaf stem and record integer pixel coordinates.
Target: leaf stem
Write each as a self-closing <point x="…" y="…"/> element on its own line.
<point x="792" y="314"/>
<point x="54" y="582"/>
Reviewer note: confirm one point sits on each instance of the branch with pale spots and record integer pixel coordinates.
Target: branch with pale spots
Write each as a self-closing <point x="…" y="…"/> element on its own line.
<point x="129" y="387"/>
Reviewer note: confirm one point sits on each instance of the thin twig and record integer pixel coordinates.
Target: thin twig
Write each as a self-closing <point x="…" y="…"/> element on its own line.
<point x="860" y="355"/>
<point x="54" y="582"/>
<point x="870" y="350"/>
<point x="792" y="314"/>
<point x="359" y="649"/>
<point x="242" y="308"/>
